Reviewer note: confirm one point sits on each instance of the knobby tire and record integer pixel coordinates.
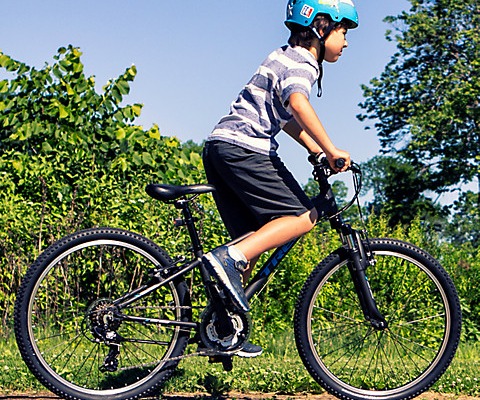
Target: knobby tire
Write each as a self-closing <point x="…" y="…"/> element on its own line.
<point x="67" y="295"/>
<point x="351" y="359"/>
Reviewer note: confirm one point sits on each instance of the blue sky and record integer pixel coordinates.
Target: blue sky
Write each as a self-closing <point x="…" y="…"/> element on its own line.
<point x="194" y="57"/>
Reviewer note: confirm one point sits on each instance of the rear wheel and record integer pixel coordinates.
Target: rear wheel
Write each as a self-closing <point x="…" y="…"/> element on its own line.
<point x="351" y="359"/>
<point x="72" y="331"/>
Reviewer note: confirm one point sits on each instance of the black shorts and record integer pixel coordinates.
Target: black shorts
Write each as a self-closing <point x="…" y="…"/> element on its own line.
<point x="251" y="188"/>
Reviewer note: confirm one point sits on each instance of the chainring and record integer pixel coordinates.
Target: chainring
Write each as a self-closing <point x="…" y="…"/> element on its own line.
<point x="224" y="330"/>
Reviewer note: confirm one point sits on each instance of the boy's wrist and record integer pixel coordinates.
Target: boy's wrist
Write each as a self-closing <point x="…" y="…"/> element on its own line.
<point x="316" y="153"/>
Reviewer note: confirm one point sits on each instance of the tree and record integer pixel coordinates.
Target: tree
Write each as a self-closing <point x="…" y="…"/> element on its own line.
<point x="426" y="103"/>
<point x="397" y="189"/>
<point x="465" y="224"/>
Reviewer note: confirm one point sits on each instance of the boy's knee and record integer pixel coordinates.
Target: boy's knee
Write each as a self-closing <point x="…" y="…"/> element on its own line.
<point x="310" y="218"/>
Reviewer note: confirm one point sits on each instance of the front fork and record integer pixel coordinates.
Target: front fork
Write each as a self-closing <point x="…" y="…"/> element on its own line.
<point x="360" y="257"/>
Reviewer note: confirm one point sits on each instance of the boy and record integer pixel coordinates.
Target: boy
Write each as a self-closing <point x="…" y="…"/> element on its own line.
<point x="255" y="192"/>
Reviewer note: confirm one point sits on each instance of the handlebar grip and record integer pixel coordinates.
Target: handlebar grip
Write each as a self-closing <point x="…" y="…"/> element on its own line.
<point x="340" y="163"/>
<point x="312" y="159"/>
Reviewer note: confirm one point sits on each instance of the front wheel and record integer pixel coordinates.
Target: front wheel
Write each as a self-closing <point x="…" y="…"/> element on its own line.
<point x="353" y="360"/>
<point x="76" y="334"/>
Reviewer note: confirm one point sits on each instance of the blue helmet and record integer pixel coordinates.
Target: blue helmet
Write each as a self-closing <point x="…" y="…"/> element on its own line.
<point x="303" y="12"/>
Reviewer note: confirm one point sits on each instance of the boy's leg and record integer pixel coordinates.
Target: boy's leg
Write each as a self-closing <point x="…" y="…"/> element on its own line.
<point x="276" y="233"/>
<point x="236" y="215"/>
<point x="227" y="266"/>
<point x="261" y="189"/>
<point x="248" y="271"/>
<point x="266" y="194"/>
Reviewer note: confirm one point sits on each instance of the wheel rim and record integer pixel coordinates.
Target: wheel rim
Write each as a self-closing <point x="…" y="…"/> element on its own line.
<point x="354" y="355"/>
<point x="64" y="344"/>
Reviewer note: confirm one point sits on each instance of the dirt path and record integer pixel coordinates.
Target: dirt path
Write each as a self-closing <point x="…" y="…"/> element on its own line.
<point x="232" y="395"/>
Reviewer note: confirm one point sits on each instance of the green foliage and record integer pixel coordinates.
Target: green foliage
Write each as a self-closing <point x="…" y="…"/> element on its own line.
<point x="72" y="158"/>
<point x="278" y="370"/>
<point x="398" y="189"/>
<point x="465" y="224"/>
<point x="428" y="93"/>
<point x="425" y="104"/>
<point x="463" y="264"/>
<point x="273" y="308"/>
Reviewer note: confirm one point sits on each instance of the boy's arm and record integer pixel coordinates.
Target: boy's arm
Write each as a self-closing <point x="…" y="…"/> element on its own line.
<point x="296" y="132"/>
<point x="307" y="119"/>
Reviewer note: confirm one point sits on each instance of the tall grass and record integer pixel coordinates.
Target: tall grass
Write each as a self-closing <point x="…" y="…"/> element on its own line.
<point x="278" y="370"/>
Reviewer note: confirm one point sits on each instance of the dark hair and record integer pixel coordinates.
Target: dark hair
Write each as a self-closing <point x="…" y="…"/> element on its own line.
<point x="303" y="35"/>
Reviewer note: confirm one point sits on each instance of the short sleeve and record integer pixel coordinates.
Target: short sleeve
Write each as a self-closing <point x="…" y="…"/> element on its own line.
<point x="296" y="80"/>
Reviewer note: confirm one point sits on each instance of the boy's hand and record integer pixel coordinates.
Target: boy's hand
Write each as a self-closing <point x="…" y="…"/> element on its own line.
<point x="338" y="154"/>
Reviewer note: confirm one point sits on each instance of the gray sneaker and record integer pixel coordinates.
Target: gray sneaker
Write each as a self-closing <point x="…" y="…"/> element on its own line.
<point x="249" y="350"/>
<point x="227" y="272"/>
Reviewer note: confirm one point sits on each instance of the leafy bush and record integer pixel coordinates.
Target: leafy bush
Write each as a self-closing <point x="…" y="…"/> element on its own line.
<point x="275" y="306"/>
<point x="72" y="158"/>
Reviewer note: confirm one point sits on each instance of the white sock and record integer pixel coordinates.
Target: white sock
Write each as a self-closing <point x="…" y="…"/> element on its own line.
<point x="236" y="254"/>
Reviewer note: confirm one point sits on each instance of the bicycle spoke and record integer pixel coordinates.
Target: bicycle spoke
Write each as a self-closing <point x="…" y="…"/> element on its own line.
<point x="76" y="325"/>
<point x="344" y="349"/>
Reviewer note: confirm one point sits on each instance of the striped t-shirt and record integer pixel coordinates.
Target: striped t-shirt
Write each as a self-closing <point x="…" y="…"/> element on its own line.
<point x="261" y="109"/>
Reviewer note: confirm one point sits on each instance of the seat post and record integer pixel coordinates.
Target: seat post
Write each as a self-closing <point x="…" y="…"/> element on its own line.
<point x="189" y="221"/>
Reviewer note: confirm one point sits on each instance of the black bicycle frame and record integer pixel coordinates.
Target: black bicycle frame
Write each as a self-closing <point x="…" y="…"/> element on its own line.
<point x="261" y="278"/>
<point x="359" y="258"/>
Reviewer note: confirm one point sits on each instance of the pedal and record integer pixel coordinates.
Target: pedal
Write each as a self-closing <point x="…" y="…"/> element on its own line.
<point x="226" y="361"/>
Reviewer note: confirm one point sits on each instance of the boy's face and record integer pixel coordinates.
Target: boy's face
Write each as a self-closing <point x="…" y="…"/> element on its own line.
<point x="335" y="43"/>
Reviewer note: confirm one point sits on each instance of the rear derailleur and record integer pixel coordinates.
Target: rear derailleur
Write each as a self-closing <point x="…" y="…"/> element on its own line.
<point x="103" y="324"/>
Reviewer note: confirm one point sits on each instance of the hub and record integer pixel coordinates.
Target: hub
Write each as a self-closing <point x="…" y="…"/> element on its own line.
<point x="102" y="324"/>
<point x="101" y="319"/>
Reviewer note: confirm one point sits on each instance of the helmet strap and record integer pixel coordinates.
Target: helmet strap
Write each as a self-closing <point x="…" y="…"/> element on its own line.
<point x="319" y="80"/>
<point x="321" y="55"/>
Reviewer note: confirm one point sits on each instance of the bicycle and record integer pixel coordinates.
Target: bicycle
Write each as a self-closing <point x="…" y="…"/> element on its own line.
<point x="107" y="314"/>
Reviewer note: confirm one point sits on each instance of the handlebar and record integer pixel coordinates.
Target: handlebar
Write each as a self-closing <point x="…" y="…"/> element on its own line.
<point x="340" y="163"/>
<point x="321" y="161"/>
<point x="322" y="171"/>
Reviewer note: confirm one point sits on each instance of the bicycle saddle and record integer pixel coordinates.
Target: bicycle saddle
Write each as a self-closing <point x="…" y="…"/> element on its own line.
<point x="165" y="192"/>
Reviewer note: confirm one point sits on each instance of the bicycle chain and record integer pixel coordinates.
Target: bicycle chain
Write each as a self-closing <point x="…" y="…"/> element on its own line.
<point x="165" y="307"/>
<point x="183" y="356"/>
